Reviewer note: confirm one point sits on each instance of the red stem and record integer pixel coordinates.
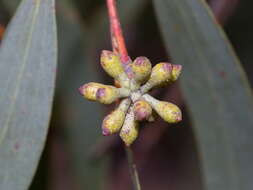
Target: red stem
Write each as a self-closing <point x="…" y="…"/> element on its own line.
<point x="118" y="42"/>
<point x="119" y="46"/>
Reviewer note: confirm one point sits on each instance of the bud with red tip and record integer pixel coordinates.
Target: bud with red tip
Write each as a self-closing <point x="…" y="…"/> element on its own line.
<point x="168" y="111"/>
<point x="105" y="94"/>
<point x="141" y="68"/>
<point x="113" y="122"/>
<point x="111" y="63"/>
<point x="176" y="71"/>
<point x="130" y="129"/>
<point x="161" y="74"/>
<point x="142" y="110"/>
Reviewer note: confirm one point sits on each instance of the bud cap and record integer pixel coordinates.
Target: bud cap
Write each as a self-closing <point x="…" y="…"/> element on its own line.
<point x="142" y="110"/>
<point x="168" y="111"/>
<point x="141" y="68"/>
<point x="111" y="63"/>
<point x="105" y="94"/>
<point x="176" y="71"/>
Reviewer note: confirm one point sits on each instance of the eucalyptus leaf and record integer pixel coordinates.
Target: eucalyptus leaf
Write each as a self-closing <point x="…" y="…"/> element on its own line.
<point x="216" y="90"/>
<point x="28" y="56"/>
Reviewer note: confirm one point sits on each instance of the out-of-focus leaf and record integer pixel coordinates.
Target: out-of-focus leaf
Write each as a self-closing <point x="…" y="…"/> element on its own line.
<point x="216" y="90"/>
<point x="81" y="119"/>
<point x="27" y="76"/>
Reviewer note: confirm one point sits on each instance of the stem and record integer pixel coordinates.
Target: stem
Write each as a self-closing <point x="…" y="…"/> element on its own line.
<point x="132" y="169"/>
<point x="119" y="46"/>
<point x="118" y="42"/>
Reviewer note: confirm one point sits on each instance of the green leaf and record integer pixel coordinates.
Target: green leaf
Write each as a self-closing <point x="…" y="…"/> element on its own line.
<point x="28" y="56"/>
<point x="216" y="91"/>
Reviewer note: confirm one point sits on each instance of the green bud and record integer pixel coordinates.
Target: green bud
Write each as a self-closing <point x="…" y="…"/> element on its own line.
<point x="111" y="63"/>
<point x="142" y="110"/>
<point x="176" y="71"/>
<point x="160" y="75"/>
<point x="141" y="68"/>
<point x="105" y="94"/>
<point x="130" y="129"/>
<point x="113" y="122"/>
<point x="168" y="111"/>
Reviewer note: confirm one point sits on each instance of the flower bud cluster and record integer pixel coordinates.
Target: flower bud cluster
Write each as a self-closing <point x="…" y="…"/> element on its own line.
<point x="136" y="105"/>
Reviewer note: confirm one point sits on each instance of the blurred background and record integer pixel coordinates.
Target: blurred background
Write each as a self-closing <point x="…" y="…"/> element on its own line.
<point x="76" y="155"/>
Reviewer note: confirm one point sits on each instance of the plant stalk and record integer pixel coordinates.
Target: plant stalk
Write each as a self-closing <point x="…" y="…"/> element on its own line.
<point x="118" y="41"/>
<point x="119" y="46"/>
<point x="132" y="169"/>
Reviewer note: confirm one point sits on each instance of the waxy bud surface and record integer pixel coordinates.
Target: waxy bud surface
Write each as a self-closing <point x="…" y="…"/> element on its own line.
<point x="142" y="110"/>
<point x="113" y="122"/>
<point x="141" y="68"/>
<point x="176" y="71"/>
<point x="129" y="78"/>
<point x="130" y="129"/>
<point x="104" y="94"/>
<point x="168" y="111"/>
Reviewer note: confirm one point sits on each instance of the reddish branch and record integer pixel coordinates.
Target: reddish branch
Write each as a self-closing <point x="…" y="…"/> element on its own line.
<point x="119" y="46"/>
<point x="118" y="42"/>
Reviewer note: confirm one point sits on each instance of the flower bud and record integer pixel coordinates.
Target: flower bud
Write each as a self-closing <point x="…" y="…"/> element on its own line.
<point x="130" y="129"/>
<point x="141" y="68"/>
<point x="142" y="110"/>
<point x="161" y="74"/>
<point x="168" y="111"/>
<point x="113" y="122"/>
<point x="176" y="70"/>
<point x="105" y="94"/>
<point x="111" y="63"/>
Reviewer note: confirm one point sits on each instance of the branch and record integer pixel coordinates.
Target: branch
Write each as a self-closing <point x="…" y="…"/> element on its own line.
<point x="132" y="169"/>
<point x="118" y="42"/>
<point x="119" y="46"/>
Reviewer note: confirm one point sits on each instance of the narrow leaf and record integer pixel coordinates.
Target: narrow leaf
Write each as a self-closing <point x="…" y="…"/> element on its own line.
<point x="216" y="90"/>
<point x="27" y="76"/>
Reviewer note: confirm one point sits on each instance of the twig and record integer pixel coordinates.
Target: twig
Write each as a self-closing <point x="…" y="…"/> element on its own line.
<point x="132" y="169"/>
<point x="118" y="44"/>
